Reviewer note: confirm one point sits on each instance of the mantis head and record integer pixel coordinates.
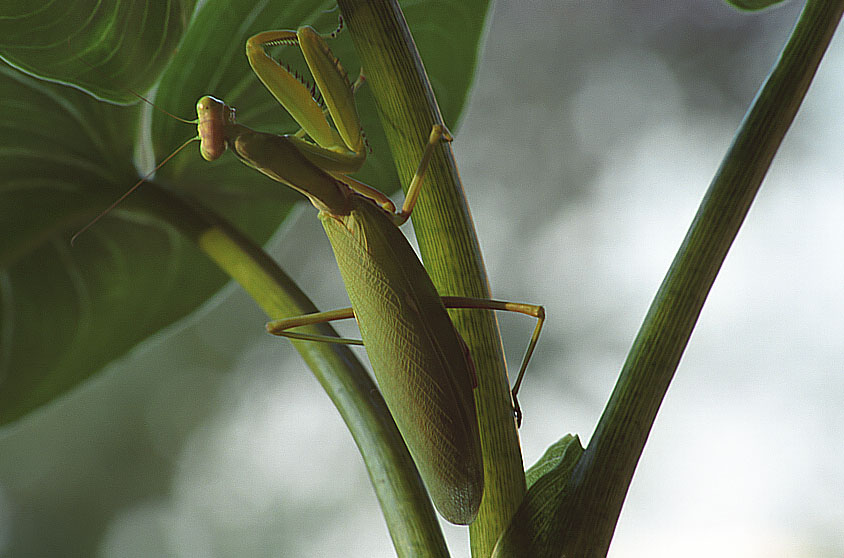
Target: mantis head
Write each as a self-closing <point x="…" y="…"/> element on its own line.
<point x="213" y="116"/>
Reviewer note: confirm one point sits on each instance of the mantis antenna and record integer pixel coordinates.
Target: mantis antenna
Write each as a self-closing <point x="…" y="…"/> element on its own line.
<point x="144" y="178"/>
<point x="134" y="187"/>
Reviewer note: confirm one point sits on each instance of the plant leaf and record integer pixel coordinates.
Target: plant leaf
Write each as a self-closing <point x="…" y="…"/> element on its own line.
<point x="105" y="48"/>
<point x="66" y="312"/>
<point x="753" y="5"/>
<point x="534" y="526"/>
<point x="555" y="459"/>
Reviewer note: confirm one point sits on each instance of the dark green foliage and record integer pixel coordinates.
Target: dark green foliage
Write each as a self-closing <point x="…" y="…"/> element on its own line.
<point x="68" y="311"/>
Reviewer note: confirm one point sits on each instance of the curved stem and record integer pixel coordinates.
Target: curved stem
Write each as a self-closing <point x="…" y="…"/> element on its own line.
<point x="407" y="509"/>
<point x="600" y="481"/>
<point x="447" y="242"/>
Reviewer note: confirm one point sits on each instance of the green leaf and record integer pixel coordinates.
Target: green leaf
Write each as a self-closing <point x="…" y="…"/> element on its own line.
<point x="66" y="312"/>
<point x="753" y="5"/>
<point x="105" y="48"/>
<point x="533" y="531"/>
<point x="561" y="456"/>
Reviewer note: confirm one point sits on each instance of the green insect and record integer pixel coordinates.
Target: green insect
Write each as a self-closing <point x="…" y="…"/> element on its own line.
<point x="421" y="363"/>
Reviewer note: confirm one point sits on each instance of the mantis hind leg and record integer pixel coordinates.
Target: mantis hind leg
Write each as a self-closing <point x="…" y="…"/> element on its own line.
<point x="281" y="327"/>
<point x="533" y="310"/>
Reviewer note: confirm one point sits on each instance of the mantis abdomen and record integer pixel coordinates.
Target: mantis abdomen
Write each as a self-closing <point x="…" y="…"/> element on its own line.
<point x="422" y="365"/>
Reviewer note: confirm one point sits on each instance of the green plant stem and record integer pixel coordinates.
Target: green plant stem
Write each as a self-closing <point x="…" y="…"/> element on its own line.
<point x="601" y="479"/>
<point x="410" y="517"/>
<point x="447" y="242"/>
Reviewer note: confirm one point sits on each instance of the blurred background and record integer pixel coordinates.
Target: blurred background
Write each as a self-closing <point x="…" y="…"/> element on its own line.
<point x="591" y="136"/>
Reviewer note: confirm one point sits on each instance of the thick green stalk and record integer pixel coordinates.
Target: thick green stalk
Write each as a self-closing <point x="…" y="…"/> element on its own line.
<point x="447" y="241"/>
<point x="410" y="517"/>
<point x="601" y="479"/>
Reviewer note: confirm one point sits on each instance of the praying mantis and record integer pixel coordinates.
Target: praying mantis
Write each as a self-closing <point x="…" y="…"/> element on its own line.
<point x="423" y="367"/>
